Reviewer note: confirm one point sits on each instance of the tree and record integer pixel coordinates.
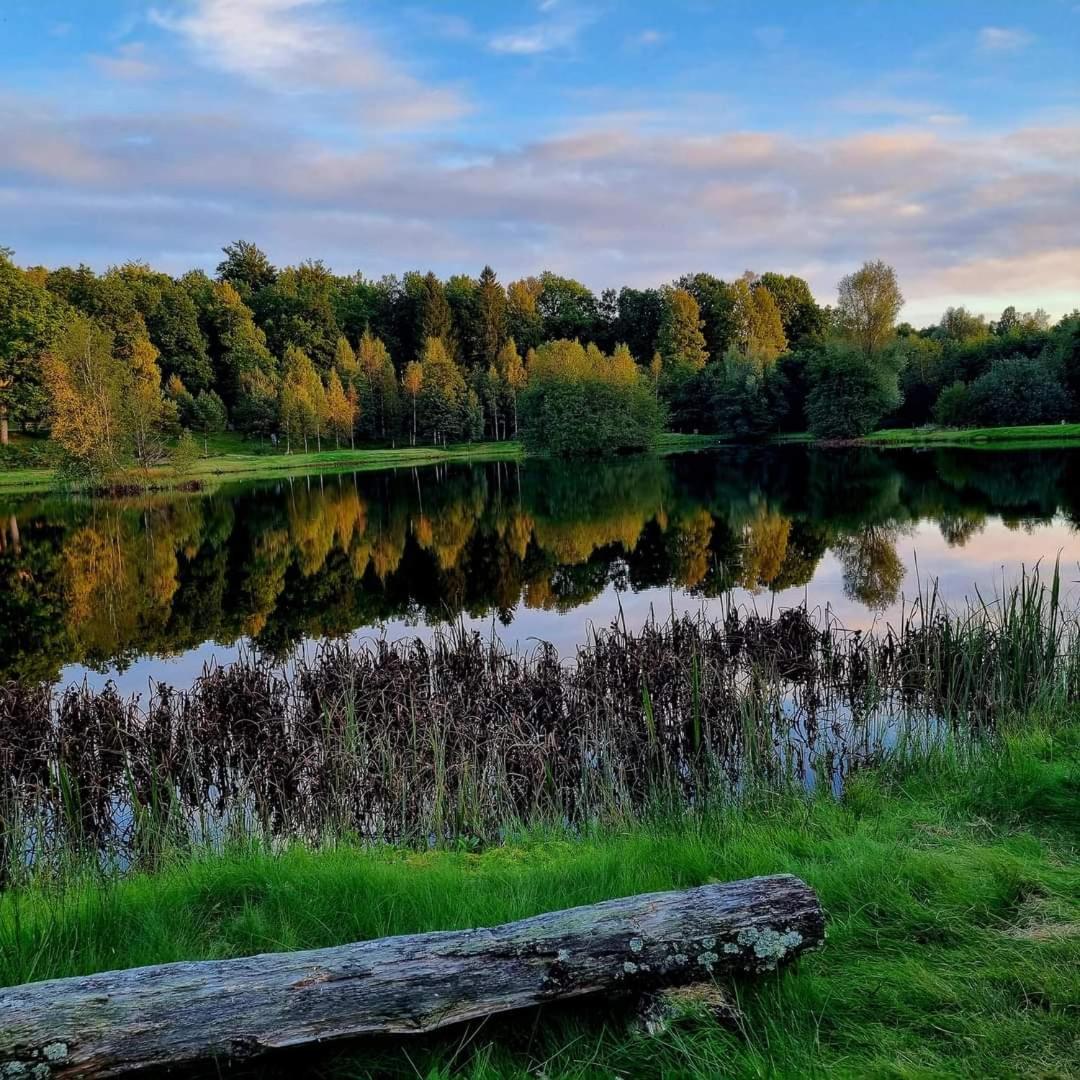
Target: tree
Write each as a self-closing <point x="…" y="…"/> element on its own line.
<point x="579" y="401"/>
<point x="299" y="309"/>
<point x="491" y="316"/>
<point x="172" y="323"/>
<point x="716" y="302"/>
<point x="413" y="380"/>
<point x="959" y="324"/>
<point x="639" y="313"/>
<point x="377" y="386"/>
<point x="340" y="412"/>
<point x="867" y="306"/>
<point x="246" y="269"/>
<point x="86" y="387"/>
<point x="345" y="363"/>
<point x="758" y="328"/>
<point x="1017" y="390"/>
<point x="849" y="391"/>
<point x="245" y="371"/>
<point x="802" y="318"/>
<point x="30" y="320"/>
<point x="510" y="366"/>
<point x="523" y="321"/>
<point x="443" y="399"/>
<point x="431" y="313"/>
<point x="567" y="308"/>
<point x="303" y="400"/>
<point x="148" y="417"/>
<point x="680" y="341"/>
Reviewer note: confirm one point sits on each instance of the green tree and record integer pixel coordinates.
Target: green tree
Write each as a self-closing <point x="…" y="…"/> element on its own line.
<point x="759" y="330"/>
<point x="30" y="320"/>
<point x="246" y="269"/>
<point x="849" y="391"/>
<point x="802" y="318"/>
<point x="566" y="308"/>
<point x="87" y="386"/>
<point x="680" y="340"/>
<point x="512" y="370"/>
<point x="523" y="321"/>
<point x="579" y="401"/>
<point x="491" y="317"/>
<point x="443" y="404"/>
<point x="868" y="303"/>
<point x="377" y="387"/>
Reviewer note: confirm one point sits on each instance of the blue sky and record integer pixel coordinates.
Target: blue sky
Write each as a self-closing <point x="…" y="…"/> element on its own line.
<point x="618" y="142"/>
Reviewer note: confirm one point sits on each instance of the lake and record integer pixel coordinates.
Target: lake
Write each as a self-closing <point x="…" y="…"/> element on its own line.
<point x="155" y="588"/>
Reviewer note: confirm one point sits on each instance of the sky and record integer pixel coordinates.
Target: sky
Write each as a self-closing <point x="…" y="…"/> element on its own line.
<point x="616" y="141"/>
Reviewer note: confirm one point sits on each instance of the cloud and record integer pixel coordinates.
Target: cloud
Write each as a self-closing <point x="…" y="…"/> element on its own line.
<point x="972" y="215"/>
<point x="129" y="63"/>
<point x="557" y="29"/>
<point x="300" y="46"/>
<point x="646" y="39"/>
<point x="1003" y="39"/>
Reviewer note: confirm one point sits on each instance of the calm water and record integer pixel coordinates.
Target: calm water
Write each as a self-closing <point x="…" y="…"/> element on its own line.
<point x="157" y="587"/>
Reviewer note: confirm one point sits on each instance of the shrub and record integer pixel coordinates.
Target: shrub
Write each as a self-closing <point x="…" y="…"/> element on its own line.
<point x="579" y="401"/>
<point x="850" y="392"/>
<point x="1017" y="391"/>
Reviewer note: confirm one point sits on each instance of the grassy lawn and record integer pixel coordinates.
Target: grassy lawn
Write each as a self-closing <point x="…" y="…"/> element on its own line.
<point x="1034" y="435"/>
<point x="231" y="457"/>
<point x="952" y="892"/>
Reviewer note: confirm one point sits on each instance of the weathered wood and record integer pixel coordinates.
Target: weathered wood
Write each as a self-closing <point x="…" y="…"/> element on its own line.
<point x="121" y="1022"/>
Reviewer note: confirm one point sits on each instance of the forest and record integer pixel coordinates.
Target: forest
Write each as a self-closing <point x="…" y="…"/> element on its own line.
<point x="126" y="369"/>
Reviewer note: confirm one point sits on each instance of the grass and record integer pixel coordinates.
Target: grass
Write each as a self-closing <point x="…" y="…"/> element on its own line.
<point x="952" y="890"/>
<point x="231" y="457"/>
<point x="1014" y="438"/>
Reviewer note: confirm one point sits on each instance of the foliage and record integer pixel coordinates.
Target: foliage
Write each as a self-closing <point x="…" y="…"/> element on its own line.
<point x="579" y="401"/>
<point x="868" y="303"/>
<point x="850" y="391"/>
<point x="1017" y="391"/>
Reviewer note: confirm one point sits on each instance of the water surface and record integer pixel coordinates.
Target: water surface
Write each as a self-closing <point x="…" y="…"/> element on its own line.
<point x="156" y="587"/>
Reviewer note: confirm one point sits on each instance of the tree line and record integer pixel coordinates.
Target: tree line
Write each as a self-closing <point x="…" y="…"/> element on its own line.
<point x="118" y="366"/>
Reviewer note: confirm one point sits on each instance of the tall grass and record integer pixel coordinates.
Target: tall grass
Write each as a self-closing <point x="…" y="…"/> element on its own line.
<point x="459" y="741"/>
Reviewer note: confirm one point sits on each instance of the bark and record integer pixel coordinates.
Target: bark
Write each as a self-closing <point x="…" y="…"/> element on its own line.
<point x="149" y="1018"/>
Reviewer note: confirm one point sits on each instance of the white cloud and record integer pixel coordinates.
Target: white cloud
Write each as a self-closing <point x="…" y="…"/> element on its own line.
<point x="960" y="212"/>
<point x="647" y="39"/>
<point x="557" y="29"/>
<point x="1003" y="39"/>
<point x="300" y="45"/>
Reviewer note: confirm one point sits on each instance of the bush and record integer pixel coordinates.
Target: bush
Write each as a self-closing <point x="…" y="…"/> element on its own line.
<point x="1017" y="391"/>
<point x="738" y="399"/>
<point x="953" y="406"/>
<point x="582" y="402"/>
<point x="850" y="392"/>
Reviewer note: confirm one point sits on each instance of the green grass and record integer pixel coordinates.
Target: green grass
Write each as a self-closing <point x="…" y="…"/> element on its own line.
<point x="1013" y="438"/>
<point x="231" y="457"/>
<point x="952" y="890"/>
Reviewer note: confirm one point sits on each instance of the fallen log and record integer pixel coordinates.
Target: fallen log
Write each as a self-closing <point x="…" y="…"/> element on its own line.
<point x="169" y="1015"/>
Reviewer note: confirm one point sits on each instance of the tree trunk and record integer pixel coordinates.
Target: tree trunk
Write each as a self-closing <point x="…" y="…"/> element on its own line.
<point x="3" y="427"/>
<point x="178" y="1014"/>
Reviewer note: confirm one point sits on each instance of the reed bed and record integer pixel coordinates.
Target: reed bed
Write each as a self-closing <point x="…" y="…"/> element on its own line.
<point x="460" y="740"/>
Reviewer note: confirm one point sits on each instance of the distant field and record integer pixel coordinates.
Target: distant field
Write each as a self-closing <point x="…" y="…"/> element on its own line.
<point x="1045" y="435"/>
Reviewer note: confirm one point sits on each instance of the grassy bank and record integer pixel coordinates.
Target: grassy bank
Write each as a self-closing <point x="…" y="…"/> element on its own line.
<point x="230" y="457"/>
<point x="1044" y="436"/>
<point x="952" y="891"/>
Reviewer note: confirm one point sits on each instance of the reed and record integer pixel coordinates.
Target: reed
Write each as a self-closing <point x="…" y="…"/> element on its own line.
<point x="460" y="741"/>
